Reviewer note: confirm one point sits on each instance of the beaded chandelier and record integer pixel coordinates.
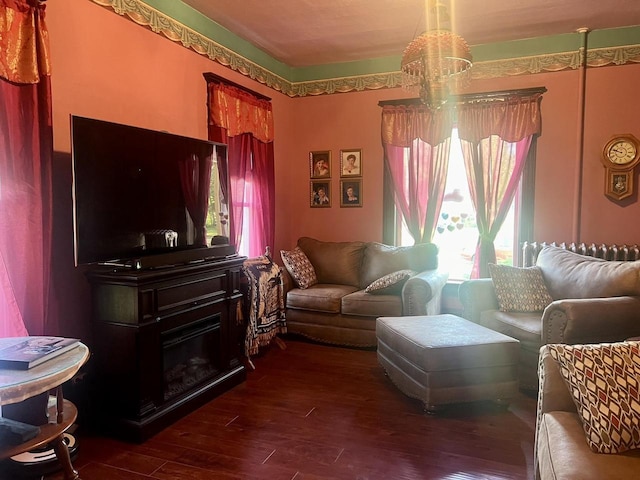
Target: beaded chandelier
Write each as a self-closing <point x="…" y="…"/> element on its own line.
<point x="437" y="60"/>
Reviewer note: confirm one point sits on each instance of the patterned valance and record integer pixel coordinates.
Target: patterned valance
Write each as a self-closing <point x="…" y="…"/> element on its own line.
<point x="24" y="41"/>
<point x="240" y="112"/>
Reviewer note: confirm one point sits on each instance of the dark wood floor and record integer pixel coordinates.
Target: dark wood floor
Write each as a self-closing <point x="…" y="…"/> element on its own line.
<point x="314" y="412"/>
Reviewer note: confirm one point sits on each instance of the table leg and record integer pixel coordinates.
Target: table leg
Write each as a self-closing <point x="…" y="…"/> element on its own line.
<point x="62" y="452"/>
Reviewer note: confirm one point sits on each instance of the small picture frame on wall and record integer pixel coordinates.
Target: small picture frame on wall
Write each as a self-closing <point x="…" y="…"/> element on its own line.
<point x="320" y="193"/>
<point x="351" y="162"/>
<point x="320" y="164"/>
<point x="351" y="193"/>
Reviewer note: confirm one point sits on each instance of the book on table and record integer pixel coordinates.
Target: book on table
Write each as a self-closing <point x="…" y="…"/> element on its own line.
<point x="27" y="353"/>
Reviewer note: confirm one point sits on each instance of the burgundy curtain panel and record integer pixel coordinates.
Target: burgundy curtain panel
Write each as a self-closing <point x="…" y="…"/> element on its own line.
<point x="26" y="150"/>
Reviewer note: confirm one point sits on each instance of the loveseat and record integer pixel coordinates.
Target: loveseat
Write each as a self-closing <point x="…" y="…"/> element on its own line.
<point x="338" y="307"/>
<point x="591" y="301"/>
<point x="561" y="448"/>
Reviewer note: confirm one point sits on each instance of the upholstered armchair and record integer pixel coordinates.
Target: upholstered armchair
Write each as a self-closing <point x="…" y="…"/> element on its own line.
<point x="591" y="301"/>
<point x="584" y="430"/>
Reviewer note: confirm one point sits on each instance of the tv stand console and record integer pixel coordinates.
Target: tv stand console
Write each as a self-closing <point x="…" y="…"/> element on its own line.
<point x="165" y="341"/>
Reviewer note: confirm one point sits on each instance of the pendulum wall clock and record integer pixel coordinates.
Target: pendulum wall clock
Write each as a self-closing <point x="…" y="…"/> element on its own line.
<point x="620" y="156"/>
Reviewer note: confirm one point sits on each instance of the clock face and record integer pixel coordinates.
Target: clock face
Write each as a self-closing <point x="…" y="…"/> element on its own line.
<point x="622" y="152"/>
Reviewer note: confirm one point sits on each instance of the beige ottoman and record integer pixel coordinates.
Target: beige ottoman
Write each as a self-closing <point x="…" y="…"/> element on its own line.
<point x="445" y="359"/>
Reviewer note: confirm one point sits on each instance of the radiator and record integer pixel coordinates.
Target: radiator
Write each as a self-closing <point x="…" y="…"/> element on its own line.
<point x="530" y="251"/>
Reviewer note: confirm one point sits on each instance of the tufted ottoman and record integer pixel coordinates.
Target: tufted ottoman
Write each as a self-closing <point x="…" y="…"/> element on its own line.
<point x="445" y="359"/>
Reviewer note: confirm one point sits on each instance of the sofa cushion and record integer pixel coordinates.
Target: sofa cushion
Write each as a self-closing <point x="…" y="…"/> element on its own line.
<point x="299" y="267"/>
<point x="519" y="289"/>
<point x="604" y="381"/>
<point x="363" y="304"/>
<point x="525" y="326"/>
<point x="571" y="275"/>
<point x="320" y="297"/>
<point x="334" y="262"/>
<point x="390" y="284"/>
<point x="380" y="260"/>
<point x="562" y="452"/>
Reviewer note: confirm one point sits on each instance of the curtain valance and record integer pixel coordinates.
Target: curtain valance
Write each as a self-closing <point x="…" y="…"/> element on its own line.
<point x="239" y="112"/>
<point x="24" y="43"/>
<point x="512" y="119"/>
<point x="402" y="124"/>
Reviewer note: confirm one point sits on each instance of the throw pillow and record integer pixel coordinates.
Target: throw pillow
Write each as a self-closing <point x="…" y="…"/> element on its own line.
<point x="520" y="289"/>
<point x="390" y="284"/>
<point x="604" y="381"/>
<point x="299" y="266"/>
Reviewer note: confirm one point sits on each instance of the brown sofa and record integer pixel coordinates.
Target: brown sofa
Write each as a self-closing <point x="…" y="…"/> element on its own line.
<point x="561" y="448"/>
<point x="337" y="310"/>
<point x="594" y="301"/>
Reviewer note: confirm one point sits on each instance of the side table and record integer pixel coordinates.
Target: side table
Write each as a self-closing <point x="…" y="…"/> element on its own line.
<point x="19" y="385"/>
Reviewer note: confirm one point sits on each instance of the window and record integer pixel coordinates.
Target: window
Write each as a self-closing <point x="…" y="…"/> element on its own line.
<point x="456" y="232"/>
<point x="217" y="215"/>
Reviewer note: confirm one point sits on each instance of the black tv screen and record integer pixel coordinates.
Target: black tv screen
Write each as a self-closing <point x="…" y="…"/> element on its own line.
<point x="127" y="194"/>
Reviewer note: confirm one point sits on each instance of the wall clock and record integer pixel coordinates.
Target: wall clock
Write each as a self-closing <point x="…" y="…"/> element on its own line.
<point x="620" y="155"/>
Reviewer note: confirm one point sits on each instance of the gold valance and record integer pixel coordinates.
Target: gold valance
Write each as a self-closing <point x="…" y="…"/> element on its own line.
<point x="511" y="119"/>
<point x="240" y="112"/>
<point x="402" y="124"/>
<point x="24" y="41"/>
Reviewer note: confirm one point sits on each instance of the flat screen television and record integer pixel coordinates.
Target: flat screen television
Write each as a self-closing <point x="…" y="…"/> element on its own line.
<point x="127" y="195"/>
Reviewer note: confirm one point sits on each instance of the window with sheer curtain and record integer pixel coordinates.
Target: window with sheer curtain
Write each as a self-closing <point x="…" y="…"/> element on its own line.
<point x="462" y="177"/>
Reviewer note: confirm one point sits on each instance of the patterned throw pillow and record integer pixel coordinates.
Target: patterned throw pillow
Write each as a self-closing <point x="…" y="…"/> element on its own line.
<point x="604" y="381"/>
<point x="299" y="266"/>
<point x="520" y="289"/>
<point x="390" y="284"/>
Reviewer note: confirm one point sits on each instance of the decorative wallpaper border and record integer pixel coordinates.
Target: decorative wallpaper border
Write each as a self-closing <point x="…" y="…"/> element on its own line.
<point x="160" y="23"/>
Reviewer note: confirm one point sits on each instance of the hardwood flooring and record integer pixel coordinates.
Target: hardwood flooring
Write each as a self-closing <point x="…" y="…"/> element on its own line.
<point x="314" y="412"/>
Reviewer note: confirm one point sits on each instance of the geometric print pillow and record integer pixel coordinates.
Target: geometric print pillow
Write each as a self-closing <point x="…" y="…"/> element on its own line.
<point x="519" y="289"/>
<point x="604" y="382"/>
<point x="391" y="283"/>
<point x="299" y="266"/>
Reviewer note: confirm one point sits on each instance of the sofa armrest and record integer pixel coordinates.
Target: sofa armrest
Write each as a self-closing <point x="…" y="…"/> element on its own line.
<point x="476" y="296"/>
<point x="553" y="394"/>
<point x="591" y="320"/>
<point x="422" y="293"/>
<point x="287" y="281"/>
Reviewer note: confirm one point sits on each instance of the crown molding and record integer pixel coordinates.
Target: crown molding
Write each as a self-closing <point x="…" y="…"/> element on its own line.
<point x="162" y="24"/>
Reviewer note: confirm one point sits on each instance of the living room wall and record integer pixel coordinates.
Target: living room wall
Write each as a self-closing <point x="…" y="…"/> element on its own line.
<point x="107" y="67"/>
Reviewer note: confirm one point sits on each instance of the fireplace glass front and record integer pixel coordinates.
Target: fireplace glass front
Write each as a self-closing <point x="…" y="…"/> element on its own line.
<point x="190" y="355"/>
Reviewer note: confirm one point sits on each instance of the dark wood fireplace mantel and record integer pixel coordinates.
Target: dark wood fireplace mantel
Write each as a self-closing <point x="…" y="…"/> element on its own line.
<point x="166" y="340"/>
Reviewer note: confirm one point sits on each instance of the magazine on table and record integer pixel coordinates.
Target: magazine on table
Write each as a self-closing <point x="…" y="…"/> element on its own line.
<point x="33" y="351"/>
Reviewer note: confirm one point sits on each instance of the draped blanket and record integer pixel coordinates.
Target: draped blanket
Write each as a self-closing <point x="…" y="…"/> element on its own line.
<point x="266" y="303"/>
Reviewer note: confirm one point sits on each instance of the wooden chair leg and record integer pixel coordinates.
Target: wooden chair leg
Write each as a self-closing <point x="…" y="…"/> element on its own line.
<point x="62" y="452"/>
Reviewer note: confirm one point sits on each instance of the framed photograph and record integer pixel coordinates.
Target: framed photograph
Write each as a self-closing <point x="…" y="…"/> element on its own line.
<point x="351" y="163"/>
<point x="320" y="164"/>
<point x="351" y="193"/>
<point x="320" y="193"/>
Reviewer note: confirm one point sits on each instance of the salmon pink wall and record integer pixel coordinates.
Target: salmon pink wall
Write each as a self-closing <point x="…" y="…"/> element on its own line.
<point x="106" y="66"/>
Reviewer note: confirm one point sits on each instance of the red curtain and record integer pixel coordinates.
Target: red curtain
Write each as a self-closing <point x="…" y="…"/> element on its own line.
<point x="26" y="148"/>
<point x="245" y="123"/>
<point x="416" y="143"/>
<point x="195" y="176"/>
<point x="495" y="139"/>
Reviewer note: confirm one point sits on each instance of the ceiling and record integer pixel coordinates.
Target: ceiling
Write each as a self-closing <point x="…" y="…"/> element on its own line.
<point x="317" y="32"/>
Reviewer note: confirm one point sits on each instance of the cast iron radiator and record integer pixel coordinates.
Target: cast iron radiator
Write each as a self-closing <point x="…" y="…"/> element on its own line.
<point x="530" y="251"/>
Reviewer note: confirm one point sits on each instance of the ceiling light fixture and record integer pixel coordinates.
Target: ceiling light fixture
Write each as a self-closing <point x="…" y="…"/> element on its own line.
<point x="436" y="61"/>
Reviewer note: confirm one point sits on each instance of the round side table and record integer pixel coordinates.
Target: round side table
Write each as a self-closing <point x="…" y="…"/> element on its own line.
<point x="19" y="385"/>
